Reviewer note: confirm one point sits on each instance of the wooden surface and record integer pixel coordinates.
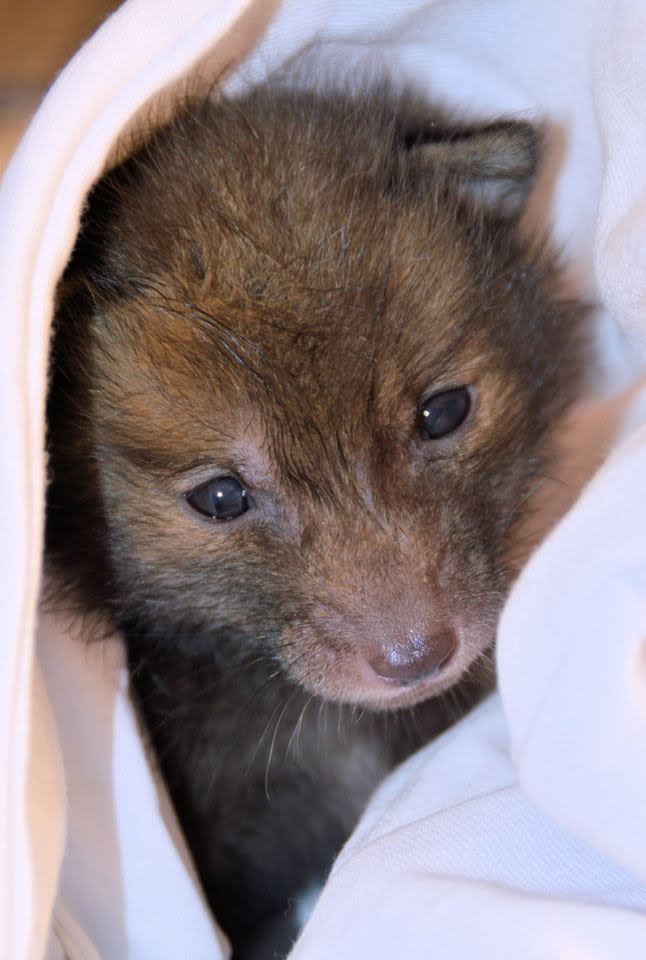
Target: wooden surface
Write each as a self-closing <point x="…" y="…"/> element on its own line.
<point x="37" y="37"/>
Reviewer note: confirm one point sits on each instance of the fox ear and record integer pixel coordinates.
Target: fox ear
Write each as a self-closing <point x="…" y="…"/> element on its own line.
<point x="495" y="165"/>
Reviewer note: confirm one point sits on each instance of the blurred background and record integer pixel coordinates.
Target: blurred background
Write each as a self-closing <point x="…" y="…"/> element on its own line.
<point x="37" y="38"/>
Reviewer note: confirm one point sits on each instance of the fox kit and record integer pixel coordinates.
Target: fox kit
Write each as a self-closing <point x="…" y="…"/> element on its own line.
<point x="305" y="377"/>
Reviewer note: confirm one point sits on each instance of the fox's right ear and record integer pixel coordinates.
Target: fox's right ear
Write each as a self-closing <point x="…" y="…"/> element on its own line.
<point x="495" y="165"/>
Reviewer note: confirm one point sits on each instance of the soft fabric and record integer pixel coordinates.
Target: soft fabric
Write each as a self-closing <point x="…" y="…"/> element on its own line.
<point x="453" y="860"/>
<point x="546" y="782"/>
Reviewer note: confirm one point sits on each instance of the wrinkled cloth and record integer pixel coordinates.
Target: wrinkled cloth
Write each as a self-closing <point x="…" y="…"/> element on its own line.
<point x="521" y="832"/>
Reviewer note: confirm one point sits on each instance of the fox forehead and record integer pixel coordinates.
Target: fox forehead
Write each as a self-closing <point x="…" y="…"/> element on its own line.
<point x="191" y="379"/>
<point x="406" y="313"/>
<point x="302" y="298"/>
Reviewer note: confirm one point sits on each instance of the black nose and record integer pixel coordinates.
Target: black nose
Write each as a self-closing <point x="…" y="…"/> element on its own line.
<point x="416" y="658"/>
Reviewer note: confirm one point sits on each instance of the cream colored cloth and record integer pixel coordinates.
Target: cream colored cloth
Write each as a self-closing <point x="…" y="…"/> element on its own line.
<point x="91" y="864"/>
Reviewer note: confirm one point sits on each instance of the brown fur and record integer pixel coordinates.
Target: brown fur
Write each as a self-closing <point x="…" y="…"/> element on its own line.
<point x="271" y="288"/>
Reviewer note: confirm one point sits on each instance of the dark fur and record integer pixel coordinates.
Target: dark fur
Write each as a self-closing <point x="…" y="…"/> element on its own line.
<point x="272" y="287"/>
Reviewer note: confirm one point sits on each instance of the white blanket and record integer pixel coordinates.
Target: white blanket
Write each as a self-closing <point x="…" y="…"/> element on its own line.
<point x="521" y="833"/>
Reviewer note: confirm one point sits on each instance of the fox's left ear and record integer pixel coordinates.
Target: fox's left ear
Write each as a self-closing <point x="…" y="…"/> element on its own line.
<point x="494" y="165"/>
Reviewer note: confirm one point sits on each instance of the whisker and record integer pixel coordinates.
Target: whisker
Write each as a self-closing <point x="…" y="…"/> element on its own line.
<point x="273" y="743"/>
<point x="262" y="737"/>
<point x="298" y="725"/>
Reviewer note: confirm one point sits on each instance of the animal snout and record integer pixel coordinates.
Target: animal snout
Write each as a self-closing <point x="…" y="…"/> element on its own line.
<point x="416" y="657"/>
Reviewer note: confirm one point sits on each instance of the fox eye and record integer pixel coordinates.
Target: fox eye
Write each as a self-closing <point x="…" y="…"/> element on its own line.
<point x="223" y="498"/>
<point x="444" y="412"/>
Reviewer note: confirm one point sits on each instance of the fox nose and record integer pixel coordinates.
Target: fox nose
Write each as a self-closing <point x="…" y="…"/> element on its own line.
<point x="416" y="658"/>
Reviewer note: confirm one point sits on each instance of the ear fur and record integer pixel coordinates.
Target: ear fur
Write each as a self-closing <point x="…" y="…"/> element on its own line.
<point x="495" y="166"/>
